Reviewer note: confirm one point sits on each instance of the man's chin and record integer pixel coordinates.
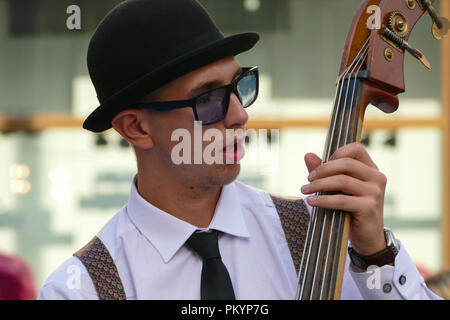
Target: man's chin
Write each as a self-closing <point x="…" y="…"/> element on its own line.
<point x="227" y="173"/>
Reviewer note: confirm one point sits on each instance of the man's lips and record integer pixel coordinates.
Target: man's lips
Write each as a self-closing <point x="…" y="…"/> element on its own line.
<point x="235" y="152"/>
<point x="233" y="146"/>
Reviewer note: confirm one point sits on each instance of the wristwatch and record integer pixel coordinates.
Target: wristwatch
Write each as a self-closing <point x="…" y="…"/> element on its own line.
<point x="381" y="258"/>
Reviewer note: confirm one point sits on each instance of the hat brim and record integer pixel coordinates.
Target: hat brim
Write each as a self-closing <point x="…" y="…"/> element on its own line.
<point x="100" y="119"/>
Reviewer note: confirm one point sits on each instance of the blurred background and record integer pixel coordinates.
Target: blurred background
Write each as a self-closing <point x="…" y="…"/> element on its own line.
<point x="59" y="184"/>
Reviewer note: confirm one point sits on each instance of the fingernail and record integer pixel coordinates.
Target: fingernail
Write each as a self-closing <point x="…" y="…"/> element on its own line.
<point x="306" y="188"/>
<point x="311" y="199"/>
<point x="312" y="175"/>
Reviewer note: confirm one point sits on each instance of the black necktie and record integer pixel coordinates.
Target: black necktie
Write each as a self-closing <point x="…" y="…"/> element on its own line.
<point x="216" y="282"/>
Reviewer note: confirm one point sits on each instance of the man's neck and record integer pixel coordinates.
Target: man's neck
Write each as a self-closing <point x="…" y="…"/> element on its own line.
<point x="188" y="203"/>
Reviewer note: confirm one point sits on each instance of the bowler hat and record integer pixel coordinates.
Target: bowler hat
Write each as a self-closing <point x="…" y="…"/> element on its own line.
<point x="142" y="45"/>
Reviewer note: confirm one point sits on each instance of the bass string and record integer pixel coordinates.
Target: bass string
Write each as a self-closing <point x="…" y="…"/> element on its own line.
<point x="353" y="74"/>
<point x="314" y="213"/>
<point x="309" y="227"/>
<point x="341" y="127"/>
<point x="309" y="239"/>
<point x="334" y="214"/>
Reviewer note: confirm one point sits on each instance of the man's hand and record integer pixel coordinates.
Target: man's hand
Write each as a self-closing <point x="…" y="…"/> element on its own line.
<point x="351" y="171"/>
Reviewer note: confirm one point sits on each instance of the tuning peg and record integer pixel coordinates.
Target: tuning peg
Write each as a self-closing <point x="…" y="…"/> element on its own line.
<point x="441" y="25"/>
<point x="418" y="55"/>
<point x="440" y="32"/>
<point x="404" y="45"/>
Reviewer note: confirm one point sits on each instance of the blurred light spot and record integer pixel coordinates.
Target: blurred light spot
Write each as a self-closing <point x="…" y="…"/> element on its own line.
<point x="252" y="5"/>
<point x="20" y="186"/>
<point x="61" y="192"/>
<point x="19" y="171"/>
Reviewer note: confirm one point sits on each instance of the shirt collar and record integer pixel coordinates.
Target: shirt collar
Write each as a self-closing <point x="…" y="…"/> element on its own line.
<point x="168" y="233"/>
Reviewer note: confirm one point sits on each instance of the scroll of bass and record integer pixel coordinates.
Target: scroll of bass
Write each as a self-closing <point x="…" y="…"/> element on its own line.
<point x="371" y="73"/>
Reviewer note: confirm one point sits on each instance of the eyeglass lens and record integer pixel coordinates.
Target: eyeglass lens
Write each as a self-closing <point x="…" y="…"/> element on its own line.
<point x="247" y="89"/>
<point x="212" y="106"/>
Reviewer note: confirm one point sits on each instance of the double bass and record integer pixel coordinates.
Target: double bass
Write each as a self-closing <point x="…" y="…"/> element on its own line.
<point x="371" y="73"/>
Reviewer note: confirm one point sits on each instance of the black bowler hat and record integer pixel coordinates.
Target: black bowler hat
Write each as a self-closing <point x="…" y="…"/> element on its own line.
<point x="142" y="45"/>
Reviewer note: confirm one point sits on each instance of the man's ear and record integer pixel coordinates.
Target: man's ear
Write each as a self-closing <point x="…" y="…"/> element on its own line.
<point x="133" y="126"/>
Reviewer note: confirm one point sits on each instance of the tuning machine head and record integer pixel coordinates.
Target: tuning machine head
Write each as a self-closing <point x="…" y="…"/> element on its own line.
<point x="441" y="25"/>
<point x="440" y="32"/>
<point x="393" y="36"/>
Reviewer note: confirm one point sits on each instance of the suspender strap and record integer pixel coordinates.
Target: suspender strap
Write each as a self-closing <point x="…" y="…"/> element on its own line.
<point x="294" y="219"/>
<point x="102" y="270"/>
<point x="95" y="256"/>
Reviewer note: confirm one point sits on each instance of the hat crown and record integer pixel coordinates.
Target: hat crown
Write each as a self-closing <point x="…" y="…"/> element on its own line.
<point x="138" y="36"/>
<point x="142" y="45"/>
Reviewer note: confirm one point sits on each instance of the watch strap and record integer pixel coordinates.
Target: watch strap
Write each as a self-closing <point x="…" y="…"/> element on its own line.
<point x="381" y="258"/>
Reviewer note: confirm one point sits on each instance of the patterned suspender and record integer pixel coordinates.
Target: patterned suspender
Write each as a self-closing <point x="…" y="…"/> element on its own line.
<point x="95" y="256"/>
<point x="102" y="270"/>
<point x="294" y="219"/>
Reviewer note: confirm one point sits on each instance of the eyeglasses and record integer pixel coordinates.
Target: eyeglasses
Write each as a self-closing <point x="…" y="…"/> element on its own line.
<point x="212" y="106"/>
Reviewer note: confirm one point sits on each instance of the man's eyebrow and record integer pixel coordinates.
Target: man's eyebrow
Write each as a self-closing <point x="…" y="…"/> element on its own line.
<point x="209" y="85"/>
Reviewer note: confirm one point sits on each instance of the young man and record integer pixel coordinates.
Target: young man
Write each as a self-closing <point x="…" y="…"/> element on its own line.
<point x="158" y="66"/>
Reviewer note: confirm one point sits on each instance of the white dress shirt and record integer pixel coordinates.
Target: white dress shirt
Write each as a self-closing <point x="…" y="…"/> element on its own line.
<point x="147" y="246"/>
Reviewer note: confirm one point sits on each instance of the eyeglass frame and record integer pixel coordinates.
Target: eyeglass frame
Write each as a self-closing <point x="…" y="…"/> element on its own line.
<point x="166" y="106"/>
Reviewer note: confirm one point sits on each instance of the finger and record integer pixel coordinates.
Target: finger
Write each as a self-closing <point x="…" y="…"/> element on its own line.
<point x="350" y="167"/>
<point x="337" y="202"/>
<point x="356" y="151"/>
<point x="340" y="183"/>
<point x="312" y="161"/>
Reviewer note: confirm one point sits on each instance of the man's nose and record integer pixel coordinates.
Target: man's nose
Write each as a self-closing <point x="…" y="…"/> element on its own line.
<point x="236" y="116"/>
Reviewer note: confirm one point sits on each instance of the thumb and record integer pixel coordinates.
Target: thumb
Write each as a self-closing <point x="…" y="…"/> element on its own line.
<point x="312" y="161"/>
